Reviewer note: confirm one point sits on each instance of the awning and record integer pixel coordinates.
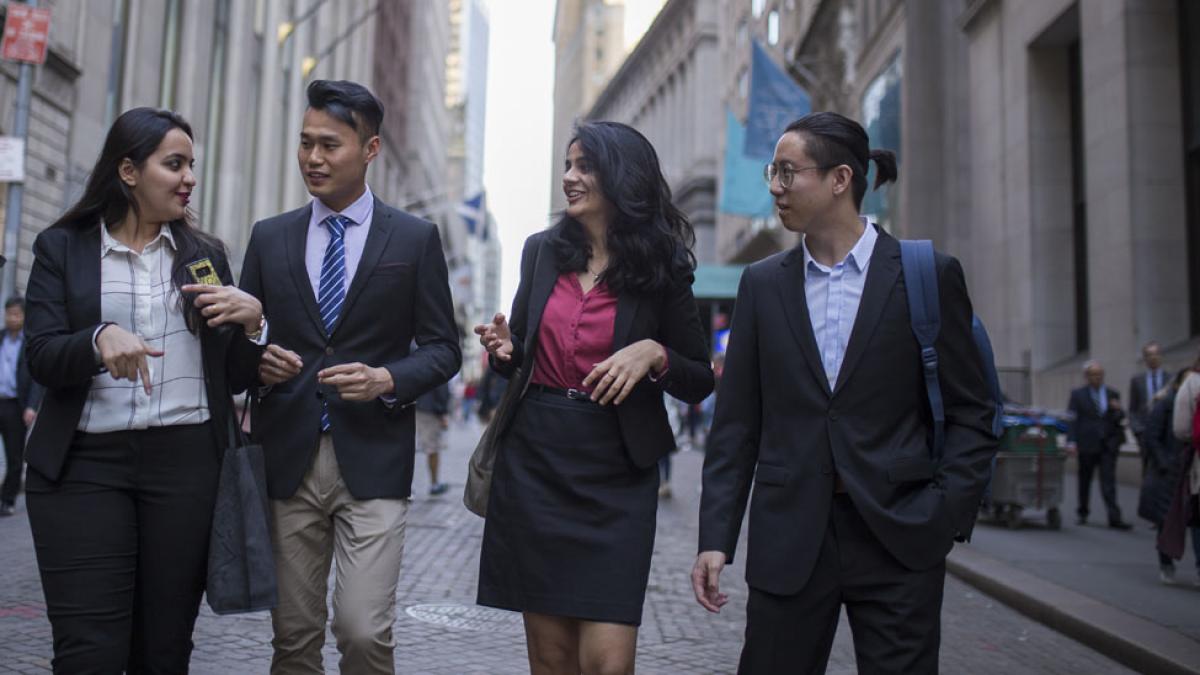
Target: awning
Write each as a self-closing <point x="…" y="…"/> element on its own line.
<point x="717" y="282"/>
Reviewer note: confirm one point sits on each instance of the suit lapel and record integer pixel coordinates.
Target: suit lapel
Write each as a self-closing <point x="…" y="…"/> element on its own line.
<point x="627" y="306"/>
<point x="377" y="239"/>
<point x="795" y="308"/>
<point x="296" y="240"/>
<point x="88" y="259"/>
<point x="545" y="273"/>
<point x="881" y="278"/>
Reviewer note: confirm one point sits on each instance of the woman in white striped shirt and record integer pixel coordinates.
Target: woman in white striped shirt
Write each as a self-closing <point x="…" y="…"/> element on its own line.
<point x="139" y="368"/>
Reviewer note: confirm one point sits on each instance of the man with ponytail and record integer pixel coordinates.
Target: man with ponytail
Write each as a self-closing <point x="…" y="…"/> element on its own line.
<point x="823" y="408"/>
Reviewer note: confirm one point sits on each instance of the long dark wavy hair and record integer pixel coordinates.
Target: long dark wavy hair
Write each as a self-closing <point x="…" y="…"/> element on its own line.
<point x="135" y="136"/>
<point x="649" y="239"/>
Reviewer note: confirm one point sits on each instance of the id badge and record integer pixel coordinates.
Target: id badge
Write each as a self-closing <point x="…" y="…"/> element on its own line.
<point x="202" y="272"/>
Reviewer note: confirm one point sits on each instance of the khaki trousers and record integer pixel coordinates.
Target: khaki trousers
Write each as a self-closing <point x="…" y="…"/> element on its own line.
<point x="320" y="523"/>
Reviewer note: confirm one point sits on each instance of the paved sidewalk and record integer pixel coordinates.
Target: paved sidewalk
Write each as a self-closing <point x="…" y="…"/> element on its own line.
<point x="440" y="630"/>
<point x="1118" y="568"/>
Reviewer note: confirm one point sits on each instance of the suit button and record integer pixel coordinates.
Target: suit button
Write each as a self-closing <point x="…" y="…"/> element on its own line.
<point x="833" y="418"/>
<point x="329" y="351"/>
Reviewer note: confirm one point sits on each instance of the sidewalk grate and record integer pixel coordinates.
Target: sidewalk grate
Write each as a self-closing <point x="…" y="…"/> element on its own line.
<point x="468" y="617"/>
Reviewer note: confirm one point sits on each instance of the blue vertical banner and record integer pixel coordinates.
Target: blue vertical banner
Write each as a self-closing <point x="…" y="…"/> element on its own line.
<point x="775" y="101"/>
<point x="743" y="191"/>
<point x="473" y="215"/>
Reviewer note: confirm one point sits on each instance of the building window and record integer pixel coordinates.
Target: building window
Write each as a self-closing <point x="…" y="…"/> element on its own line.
<point x="1189" y="24"/>
<point x="116" y="63"/>
<point x="773" y="28"/>
<point x="215" y="127"/>
<point x="170" y="58"/>
<point x="757" y="7"/>
<point x="1078" y="198"/>
<point x="881" y="117"/>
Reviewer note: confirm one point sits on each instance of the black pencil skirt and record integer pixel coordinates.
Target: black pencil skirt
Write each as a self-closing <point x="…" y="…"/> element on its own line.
<point x="570" y="519"/>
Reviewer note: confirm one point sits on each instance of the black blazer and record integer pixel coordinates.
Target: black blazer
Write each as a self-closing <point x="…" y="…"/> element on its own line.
<point x="1095" y="430"/>
<point x="779" y="424"/>
<point x="400" y="293"/>
<point x="1140" y="405"/>
<point x="63" y="311"/>
<point x="670" y="318"/>
<point x="29" y="393"/>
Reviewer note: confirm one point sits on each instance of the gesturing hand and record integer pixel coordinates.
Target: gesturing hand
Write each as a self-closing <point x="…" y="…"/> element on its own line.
<point x="357" y="382"/>
<point x="706" y="574"/>
<point x="614" y="378"/>
<point x="227" y="304"/>
<point x="124" y="355"/>
<point x="496" y="338"/>
<point x="278" y="365"/>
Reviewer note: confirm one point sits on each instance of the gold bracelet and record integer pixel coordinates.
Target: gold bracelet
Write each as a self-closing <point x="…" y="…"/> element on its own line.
<point x="262" y="321"/>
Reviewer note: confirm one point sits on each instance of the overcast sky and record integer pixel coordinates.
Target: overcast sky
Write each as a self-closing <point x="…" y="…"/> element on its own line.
<point x="516" y="167"/>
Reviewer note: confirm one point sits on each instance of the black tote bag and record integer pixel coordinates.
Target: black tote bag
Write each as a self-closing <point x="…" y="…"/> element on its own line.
<point x="241" y="566"/>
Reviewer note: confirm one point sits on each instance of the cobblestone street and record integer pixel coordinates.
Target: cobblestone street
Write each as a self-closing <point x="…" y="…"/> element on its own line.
<point x="440" y="630"/>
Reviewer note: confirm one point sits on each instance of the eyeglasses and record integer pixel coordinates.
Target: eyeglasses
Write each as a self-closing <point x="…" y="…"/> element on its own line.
<point x="785" y="172"/>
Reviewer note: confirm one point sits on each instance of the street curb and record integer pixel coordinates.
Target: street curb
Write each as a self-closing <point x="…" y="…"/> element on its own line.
<point x="1131" y="640"/>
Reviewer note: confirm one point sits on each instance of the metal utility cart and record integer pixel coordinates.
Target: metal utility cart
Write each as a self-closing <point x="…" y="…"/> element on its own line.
<point x="1028" y="472"/>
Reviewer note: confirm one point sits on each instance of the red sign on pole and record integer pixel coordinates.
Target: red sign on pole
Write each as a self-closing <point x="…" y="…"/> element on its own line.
<point x="26" y="32"/>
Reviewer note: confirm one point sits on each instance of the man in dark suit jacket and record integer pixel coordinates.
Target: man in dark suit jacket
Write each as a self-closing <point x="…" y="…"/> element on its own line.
<point x="1097" y="434"/>
<point x="822" y="407"/>
<point x="19" y="399"/>
<point x="1142" y="388"/>
<point x="348" y="284"/>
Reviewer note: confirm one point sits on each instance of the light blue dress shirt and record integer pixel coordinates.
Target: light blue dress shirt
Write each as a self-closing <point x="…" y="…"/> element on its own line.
<point x="833" y="295"/>
<point x="10" y="350"/>
<point x="355" y="239"/>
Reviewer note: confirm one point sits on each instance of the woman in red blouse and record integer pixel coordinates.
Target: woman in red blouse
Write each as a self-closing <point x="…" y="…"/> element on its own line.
<point x="603" y="322"/>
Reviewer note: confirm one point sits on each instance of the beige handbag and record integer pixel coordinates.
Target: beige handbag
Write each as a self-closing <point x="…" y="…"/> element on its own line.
<point x="479" y="471"/>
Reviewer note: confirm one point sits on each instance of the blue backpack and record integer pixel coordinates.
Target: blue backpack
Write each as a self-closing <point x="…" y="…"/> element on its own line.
<point x="921" y="283"/>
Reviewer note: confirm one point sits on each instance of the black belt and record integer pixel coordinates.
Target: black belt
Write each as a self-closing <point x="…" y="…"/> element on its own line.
<point x="573" y="394"/>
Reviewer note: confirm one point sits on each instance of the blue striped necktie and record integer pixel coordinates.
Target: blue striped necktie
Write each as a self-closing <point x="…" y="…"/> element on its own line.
<point x="331" y="292"/>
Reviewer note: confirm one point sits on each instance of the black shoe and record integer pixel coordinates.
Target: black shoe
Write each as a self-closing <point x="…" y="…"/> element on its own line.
<point x="1119" y="525"/>
<point x="6" y="509"/>
<point x="1081" y="520"/>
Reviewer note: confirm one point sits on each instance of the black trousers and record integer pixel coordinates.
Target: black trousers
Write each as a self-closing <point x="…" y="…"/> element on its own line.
<point x="122" y="547"/>
<point x="1106" y="461"/>
<point x="12" y="430"/>
<point x="894" y="612"/>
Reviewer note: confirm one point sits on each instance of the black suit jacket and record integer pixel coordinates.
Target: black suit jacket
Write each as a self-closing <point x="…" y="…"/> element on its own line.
<point x="1139" y="403"/>
<point x="1093" y="430"/>
<point x="400" y="293"/>
<point x="780" y="425"/>
<point x="670" y="318"/>
<point x="62" y="312"/>
<point x="29" y="393"/>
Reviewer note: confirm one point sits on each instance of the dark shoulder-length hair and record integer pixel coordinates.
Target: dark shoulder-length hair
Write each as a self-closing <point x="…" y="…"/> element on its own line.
<point x="649" y="239"/>
<point x="135" y="136"/>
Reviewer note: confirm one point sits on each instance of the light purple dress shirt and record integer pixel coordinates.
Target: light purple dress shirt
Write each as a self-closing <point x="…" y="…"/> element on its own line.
<point x="833" y="295"/>
<point x="361" y="212"/>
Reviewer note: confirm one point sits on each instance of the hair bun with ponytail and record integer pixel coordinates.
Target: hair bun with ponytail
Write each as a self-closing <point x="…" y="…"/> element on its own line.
<point x="885" y="162"/>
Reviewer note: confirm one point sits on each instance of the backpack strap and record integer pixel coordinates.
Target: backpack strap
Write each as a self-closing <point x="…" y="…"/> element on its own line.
<point x="984" y="344"/>
<point x="924" y="309"/>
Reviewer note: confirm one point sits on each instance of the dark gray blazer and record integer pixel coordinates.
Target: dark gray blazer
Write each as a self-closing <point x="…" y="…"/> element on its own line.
<point x="400" y="294"/>
<point x="63" y="311"/>
<point x="671" y="318"/>
<point x="780" y="426"/>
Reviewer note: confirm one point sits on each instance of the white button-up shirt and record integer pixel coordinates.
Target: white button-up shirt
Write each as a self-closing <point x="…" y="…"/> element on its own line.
<point x="136" y="293"/>
<point x="833" y="295"/>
